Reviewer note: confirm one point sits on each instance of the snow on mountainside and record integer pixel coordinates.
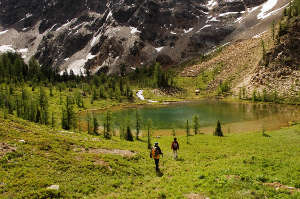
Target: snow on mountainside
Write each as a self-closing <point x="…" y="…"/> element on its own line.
<point x="102" y="34"/>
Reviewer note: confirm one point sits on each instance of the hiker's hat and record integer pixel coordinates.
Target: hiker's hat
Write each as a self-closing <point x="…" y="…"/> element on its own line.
<point x="155" y="143"/>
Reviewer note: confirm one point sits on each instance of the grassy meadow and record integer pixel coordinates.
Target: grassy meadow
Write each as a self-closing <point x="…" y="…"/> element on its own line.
<point x="244" y="165"/>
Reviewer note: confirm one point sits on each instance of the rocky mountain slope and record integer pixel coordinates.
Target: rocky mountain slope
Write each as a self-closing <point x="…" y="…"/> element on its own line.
<point x="245" y="67"/>
<point x="101" y="35"/>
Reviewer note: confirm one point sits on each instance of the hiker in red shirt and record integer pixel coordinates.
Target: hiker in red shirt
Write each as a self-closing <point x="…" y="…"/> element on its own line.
<point x="175" y="147"/>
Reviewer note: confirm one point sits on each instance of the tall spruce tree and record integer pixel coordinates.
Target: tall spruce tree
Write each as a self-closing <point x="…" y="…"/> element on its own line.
<point x="149" y="127"/>
<point x="138" y="124"/>
<point x="128" y="136"/>
<point x="96" y="125"/>
<point x="187" y="131"/>
<point x="108" y="122"/>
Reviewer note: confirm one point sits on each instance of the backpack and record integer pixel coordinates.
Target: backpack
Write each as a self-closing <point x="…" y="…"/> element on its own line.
<point x="175" y="145"/>
<point x="154" y="152"/>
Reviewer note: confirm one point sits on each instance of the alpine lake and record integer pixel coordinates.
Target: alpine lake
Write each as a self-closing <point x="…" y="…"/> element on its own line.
<point x="235" y="117"/>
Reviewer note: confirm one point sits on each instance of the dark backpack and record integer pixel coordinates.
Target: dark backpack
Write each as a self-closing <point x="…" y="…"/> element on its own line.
<point x="175" y="145"/>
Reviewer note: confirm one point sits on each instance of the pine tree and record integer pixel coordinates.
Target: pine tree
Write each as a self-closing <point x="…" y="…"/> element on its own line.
<point x="218" y="131"/>
<point x="43" y="102"/>
<point x="129" y="136"/>
<point x="138" y="124"/>
<point x="51" y="91"/>
<point x="196" y="124"/>
<point x="107" y="130"/>
<point x="53" y="120"/>
<point x="68" y="114"/>
<point x="273" y="30"/>
<point x="187" y="131"/>
<point x="96" y="125"/>
<point x="149" y="127"/>
<point x="264" y="52"/>
<point x="89" y="126"/>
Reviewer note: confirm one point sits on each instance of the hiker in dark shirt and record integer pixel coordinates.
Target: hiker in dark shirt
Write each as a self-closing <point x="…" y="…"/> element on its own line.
<point x="175" y="147"/>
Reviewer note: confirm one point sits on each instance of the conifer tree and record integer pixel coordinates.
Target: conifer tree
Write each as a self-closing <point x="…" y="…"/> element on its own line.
<point x="129" y="136"/>
<point x="107" y="129"/>
<point x="53" y="120"/>
<point x="187" y="131"/>
<point x="196" y="124"/>
<point x="96" y="125"/>
<point x="68" y="114"/>
<point x="138" y="124"/>
<point x="43" y="102"/>
<point x="218" y="130"/>
<point x="89" y="125"/>
<point x="149" y="127"/>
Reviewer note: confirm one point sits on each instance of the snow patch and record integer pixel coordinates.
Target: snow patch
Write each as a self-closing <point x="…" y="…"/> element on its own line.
<point x="66" y="59"/>
<point x="259" y="16"/>
<point x="52" y="27"/>
<point x="64" y="25"/>
<point x="3" y="32"/>
<point x="187" y="31"/>
<point x="134" y="30"/>
<point x="213" y="19"/>
<point x="238" y="20"/>
<point x="228" y="13"/>
<point x="7" y="48"/>
<point x="250" y="10"/>
<point x="258" y="35"/>
<point x="76" y="67"/>
<point x="28" y="15"/>
<point x="95" y="40"/>
<point x="206" y="26"/>
<point x="109" y="15"/>
<point x="159" y="49"/>
<point x="173" y="33"/>
<point x="211" y="4"/>
<point x="90" y="56"/>
<point x="23" y="50"/>
<point x="266" y="7"/>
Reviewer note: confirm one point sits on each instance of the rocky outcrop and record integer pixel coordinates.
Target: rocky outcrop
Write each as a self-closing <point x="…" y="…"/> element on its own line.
<point x="279" y="70"/>
<point x="97" y="34"/>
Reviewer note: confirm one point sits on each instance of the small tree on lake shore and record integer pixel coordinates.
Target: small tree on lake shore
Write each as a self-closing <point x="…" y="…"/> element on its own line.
<point x="149" y="126"/>
<point x="128" y="136"/>
<point x="196" y="124"/>
<point x="187" y="131"/>
<point x="138" y="124"/>
<point x="218" y="131"/>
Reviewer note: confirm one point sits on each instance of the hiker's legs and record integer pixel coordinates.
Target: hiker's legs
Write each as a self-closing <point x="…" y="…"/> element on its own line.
<point x="175" y="154"/>
<point x="156" y="164"/>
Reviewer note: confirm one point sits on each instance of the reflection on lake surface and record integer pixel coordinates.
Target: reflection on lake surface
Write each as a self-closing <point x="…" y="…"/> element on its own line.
<point x="237" y="117"/>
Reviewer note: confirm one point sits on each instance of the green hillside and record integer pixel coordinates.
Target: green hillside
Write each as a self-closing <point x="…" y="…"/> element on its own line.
<point x="248" y="165"/>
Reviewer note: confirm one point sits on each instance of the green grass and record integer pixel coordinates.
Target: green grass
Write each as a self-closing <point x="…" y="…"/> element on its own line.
<point x="236" y="166"/>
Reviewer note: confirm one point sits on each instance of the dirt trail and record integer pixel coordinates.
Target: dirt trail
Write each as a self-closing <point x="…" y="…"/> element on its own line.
<point x="279" y="186"/>
<point x="5" y="148"/>
<point x="124" y="153"/>
<point x="196" y="196"/>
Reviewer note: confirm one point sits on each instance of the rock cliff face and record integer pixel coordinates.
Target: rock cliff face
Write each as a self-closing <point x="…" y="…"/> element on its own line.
<point x="102" y="34"/>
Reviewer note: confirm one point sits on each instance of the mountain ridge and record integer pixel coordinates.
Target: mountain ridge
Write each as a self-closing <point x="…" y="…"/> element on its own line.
<point x="102" y="35"/>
